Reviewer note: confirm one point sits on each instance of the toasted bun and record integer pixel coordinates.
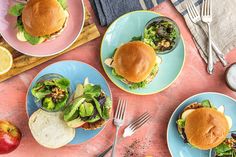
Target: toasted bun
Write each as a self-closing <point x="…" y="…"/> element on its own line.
<point x="134" y="61"/>
<point x="49" y="129"/>
<point x="194" y="105"/>
<point x="43" y="17"/>
<point x="206" y="128"/>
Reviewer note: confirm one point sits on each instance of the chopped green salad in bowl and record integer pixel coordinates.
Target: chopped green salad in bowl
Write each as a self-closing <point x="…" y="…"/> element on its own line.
<point x="227" y="148"/>
<point x="90" y="107"/>
<point x="51" y="92"/>
<point x="162" y="34"/>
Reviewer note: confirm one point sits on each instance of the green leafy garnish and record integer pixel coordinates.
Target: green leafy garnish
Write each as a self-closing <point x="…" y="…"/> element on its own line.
<point x="48" y="103"/>
<point x="224" y="150"/>
<point x="92" y="90"/>
<point x="207" y="103"/>
<point x="181" y="123"/>
<point x="63" y="3"/>
<point x="116" y="75"/>
<point x="71" y="112"/>
<point x="16" y="10"/>
<point x="53" y="93"/>
<point x="137" y="38"/>
<point x="93" y="119"/>
<point x="86" y="109"/>
<point x="90" y="110"/>
<point x="31" y="39"/>
<point x="98" y="107"/>
<point x="62" y="102"/>
<point x="39" y="91"/>
<point x="138" y="85"/>
<point x="62" y="83"/>
<point x="106" y="108"/>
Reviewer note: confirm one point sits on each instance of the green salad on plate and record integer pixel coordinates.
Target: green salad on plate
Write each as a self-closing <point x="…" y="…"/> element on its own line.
<point x="90" y="107"/>
<point x="51" y="94"/>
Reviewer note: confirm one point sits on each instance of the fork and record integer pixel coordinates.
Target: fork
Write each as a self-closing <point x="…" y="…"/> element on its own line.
<point x="195" y="18"/>
<point x="119" y="121"/>
<point x="130" y="129"/>
<point x="207" y="18"/>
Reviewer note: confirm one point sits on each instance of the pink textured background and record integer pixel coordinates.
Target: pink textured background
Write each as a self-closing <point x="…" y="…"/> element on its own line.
<point x="152" y="137"/>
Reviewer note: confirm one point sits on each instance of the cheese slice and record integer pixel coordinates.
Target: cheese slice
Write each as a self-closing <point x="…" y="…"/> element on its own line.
<point x="186" y="113"/>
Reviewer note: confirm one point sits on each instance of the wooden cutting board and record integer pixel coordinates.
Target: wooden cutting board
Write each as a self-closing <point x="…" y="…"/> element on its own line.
<point x="22" y="62"/>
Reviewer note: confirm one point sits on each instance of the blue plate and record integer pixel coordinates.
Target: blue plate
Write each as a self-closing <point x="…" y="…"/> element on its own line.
<point x="175" y="143"/>
<point x="122" y="31"/>
<point x="76" y="72"/>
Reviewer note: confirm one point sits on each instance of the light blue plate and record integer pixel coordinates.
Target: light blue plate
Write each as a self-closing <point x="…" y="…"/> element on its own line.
<point x="121" y="31"/>
<point x="175" y="143"/>
<point x="76" y="72"/>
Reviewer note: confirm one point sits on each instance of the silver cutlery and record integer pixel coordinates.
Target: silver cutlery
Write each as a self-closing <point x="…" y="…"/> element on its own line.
<point x="206" y="14"/>
<point x="130" y="129"/>
<point x="195" y="18"/>
<point x="119" y="121"/>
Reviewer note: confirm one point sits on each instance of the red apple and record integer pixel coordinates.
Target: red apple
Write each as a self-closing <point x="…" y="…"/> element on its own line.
<point x="10" y="137"/>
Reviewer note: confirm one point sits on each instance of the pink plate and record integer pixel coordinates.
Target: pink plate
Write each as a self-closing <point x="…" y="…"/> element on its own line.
<point x="64" y="40"/>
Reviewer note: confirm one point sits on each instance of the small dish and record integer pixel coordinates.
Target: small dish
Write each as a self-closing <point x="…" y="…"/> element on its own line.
<point x="50" y="77"/>
<point x="122" y="31"/>
<point x="176" y="145"/>
<point x="231" y="135"/>
<point x="76" y="72"/>
<point x="67" y="37"/>
<point x="162" y="33"/>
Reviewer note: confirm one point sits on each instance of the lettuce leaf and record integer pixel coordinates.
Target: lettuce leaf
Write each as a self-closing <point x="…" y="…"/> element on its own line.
<point x="208" y="104"/>
<point x="31" y="39"/>
<point x="39" y="92"/>
<point x="138" y="85"/>
<point x="16" y="10"/>
<point x="181" y="123"/>
<point x="62" y="83"/>
<point x="62" y="103"/>
<point x="106" y="108"/>
<point x="48" y="103"/>
<point x="223" y="149"/>
<point x="98" y="106"/>
<point x="86" y="109"/>
<point x="92" y="90"/>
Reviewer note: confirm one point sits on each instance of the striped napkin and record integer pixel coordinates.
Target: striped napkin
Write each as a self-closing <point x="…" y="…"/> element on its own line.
<point x="109" y="10"/>
<point x="223" y="26"/>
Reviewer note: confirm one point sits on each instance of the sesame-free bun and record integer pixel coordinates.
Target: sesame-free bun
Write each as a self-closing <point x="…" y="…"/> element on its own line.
<point x="49" y="129"/>
<point x="134" y="61"/>
<point x="43" y="17"/>
<point x="206" y="128"/>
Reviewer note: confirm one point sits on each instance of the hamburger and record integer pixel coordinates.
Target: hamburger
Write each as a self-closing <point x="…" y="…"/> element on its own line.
<point x="40" y="20"/>
<point x="90" y="108"/>
<point x="135" y="64"/>
<point x="203" y="126"/>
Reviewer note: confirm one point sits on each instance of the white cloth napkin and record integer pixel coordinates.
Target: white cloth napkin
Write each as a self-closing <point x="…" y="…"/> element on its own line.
<point x="223" y="26"/>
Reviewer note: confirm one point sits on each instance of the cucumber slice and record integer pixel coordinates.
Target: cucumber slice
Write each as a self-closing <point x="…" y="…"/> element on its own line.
<point x="79" y="91"/>
<point x="75" y="123"/>
<point x="71" y="110"/>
